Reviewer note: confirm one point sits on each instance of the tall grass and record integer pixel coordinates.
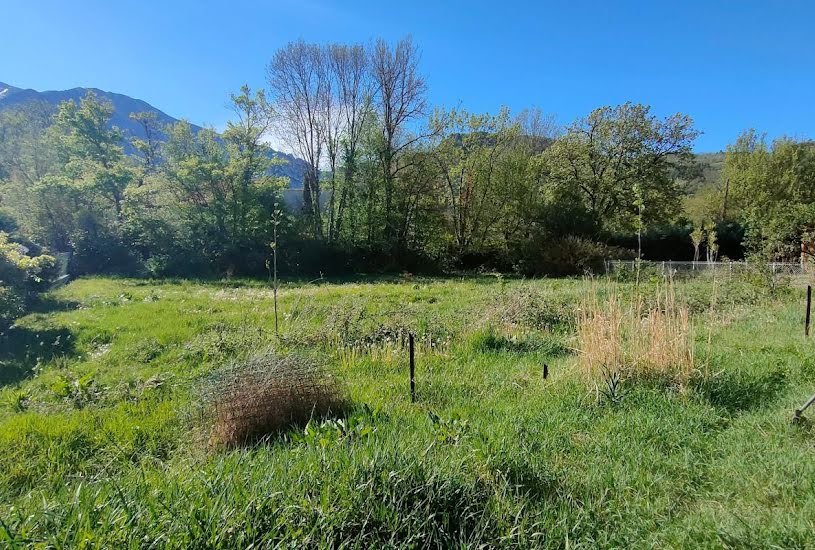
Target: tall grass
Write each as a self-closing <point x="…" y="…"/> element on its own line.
<point x="635" y="336"/>
<point x="493" y="455"/>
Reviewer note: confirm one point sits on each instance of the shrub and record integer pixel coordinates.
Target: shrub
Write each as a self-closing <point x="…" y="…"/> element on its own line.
<point x="20" y="277"/>
<point x="565" y="256"/>
<point x="12" y="305"/>
<point x="267" y="395"/>
<point x="529" y="307"/>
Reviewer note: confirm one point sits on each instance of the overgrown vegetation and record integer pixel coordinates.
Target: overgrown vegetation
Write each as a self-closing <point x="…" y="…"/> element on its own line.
<point x="21" y="276"/>
<point x="99" y="427"/>
<point x="225" y="412"/>
<point x="644" y="336"/>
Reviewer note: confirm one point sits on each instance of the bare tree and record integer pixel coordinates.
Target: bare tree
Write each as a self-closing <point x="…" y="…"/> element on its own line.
<point x="401" y="98"/>
<point x="354" y="87"/>
<point x="149" y="147"/>
<point x="297" y="81"/>
<point x="332" y="126"/>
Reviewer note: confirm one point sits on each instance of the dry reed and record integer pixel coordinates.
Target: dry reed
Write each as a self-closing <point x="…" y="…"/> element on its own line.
<point x="635" y="338"/>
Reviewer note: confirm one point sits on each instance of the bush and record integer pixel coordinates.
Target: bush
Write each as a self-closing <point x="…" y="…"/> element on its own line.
<point x="97" y="250"/>
<point x="20" y="277"/>
<point x="12" y="306"/>
<point x="268" y="395"/>
<point x="565" y="256"/>
<point x="530" y="307"/>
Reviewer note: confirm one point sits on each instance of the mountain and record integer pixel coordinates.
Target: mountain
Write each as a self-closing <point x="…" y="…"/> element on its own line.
<point x="11" y="96"/>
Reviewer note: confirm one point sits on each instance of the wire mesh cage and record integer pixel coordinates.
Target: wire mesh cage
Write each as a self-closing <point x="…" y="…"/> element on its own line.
<point x="266" y="395"/>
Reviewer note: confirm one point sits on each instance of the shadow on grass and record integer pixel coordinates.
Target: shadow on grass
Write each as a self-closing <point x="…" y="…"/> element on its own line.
<point x="49" y="304"/>
<point x="741" y="391"/>
<point x="21" y="349"/>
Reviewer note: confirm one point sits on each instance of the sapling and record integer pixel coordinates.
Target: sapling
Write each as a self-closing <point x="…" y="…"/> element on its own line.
<point x="639" y="202"/>
<point x="273" y="268"/>
<point x="712" y="244"/>
<point x="697" y="236"/>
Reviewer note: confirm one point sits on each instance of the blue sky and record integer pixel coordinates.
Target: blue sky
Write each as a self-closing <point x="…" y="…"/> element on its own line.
<point x="729" y="64"/>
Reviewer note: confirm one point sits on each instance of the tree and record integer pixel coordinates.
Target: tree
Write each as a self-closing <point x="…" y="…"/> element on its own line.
<point x="28" y="155"/>
<point x="697" y="236"/>
<point x="401" y="99"/>
<point x="469" y="152"/>
<point x="149" y="147"/>
<point x="296" y="77"/>
<point x="350" y="67"/>
<point x="774" y="188"/>
<point x="92" y="149"/>
<point x="615" y="149"/>
<point x="222" y="190"/>
<point x="712" y="243"/>
<point x="249" y="160"/>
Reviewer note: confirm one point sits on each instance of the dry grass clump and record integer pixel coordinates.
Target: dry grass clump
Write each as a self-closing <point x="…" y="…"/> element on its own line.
<point x="631" y="338"/>
<point x="267" y="395"/>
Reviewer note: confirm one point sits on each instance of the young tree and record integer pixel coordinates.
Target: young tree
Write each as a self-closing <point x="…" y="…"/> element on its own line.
<point x="697" y="236"/>
<point x="712" y="243"/>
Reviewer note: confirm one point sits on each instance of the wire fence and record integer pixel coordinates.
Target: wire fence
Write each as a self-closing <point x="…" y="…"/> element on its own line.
<point x="670" y="268"/>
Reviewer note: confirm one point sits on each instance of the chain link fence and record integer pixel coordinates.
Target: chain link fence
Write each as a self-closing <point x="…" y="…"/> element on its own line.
<point x="670" y="268"/>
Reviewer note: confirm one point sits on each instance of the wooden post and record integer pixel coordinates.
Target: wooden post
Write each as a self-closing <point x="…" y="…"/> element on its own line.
<point x="412" y="370"/>
<point x="809" y="309"/>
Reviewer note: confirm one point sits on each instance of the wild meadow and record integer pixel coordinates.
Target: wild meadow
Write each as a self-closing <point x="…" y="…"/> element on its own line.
<point x="523" y="434"/>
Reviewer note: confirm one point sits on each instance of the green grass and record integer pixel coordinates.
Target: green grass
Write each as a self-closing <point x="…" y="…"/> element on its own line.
<point x="101" y="394"/>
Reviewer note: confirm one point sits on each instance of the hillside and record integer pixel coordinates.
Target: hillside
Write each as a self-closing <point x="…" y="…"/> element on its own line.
<point x="12" y="96"/>
<point x="710" y="169"/>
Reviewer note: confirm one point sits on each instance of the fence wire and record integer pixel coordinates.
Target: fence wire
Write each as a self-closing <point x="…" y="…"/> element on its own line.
<point x="670" y="268"/>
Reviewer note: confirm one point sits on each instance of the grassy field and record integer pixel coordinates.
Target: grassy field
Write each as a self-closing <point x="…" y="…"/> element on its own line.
<point x="103" y="441"/>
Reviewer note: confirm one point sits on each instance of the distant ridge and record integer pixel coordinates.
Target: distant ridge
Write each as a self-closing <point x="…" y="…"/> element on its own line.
<point x="12" y="96"/>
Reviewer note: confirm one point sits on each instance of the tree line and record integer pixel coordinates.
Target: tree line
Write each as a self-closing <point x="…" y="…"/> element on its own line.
<point x="390" y="182"/>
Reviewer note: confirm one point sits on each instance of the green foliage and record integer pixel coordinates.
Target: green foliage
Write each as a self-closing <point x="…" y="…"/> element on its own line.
<point x="772" y="185"/>
<point x="490" y="340"/>
<point x="20" y="276"/>
<point x="473" y="154"/>
<point x="474" y="190"/>
<point x="565" y="256"/>
<point x="589" y="161"/>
